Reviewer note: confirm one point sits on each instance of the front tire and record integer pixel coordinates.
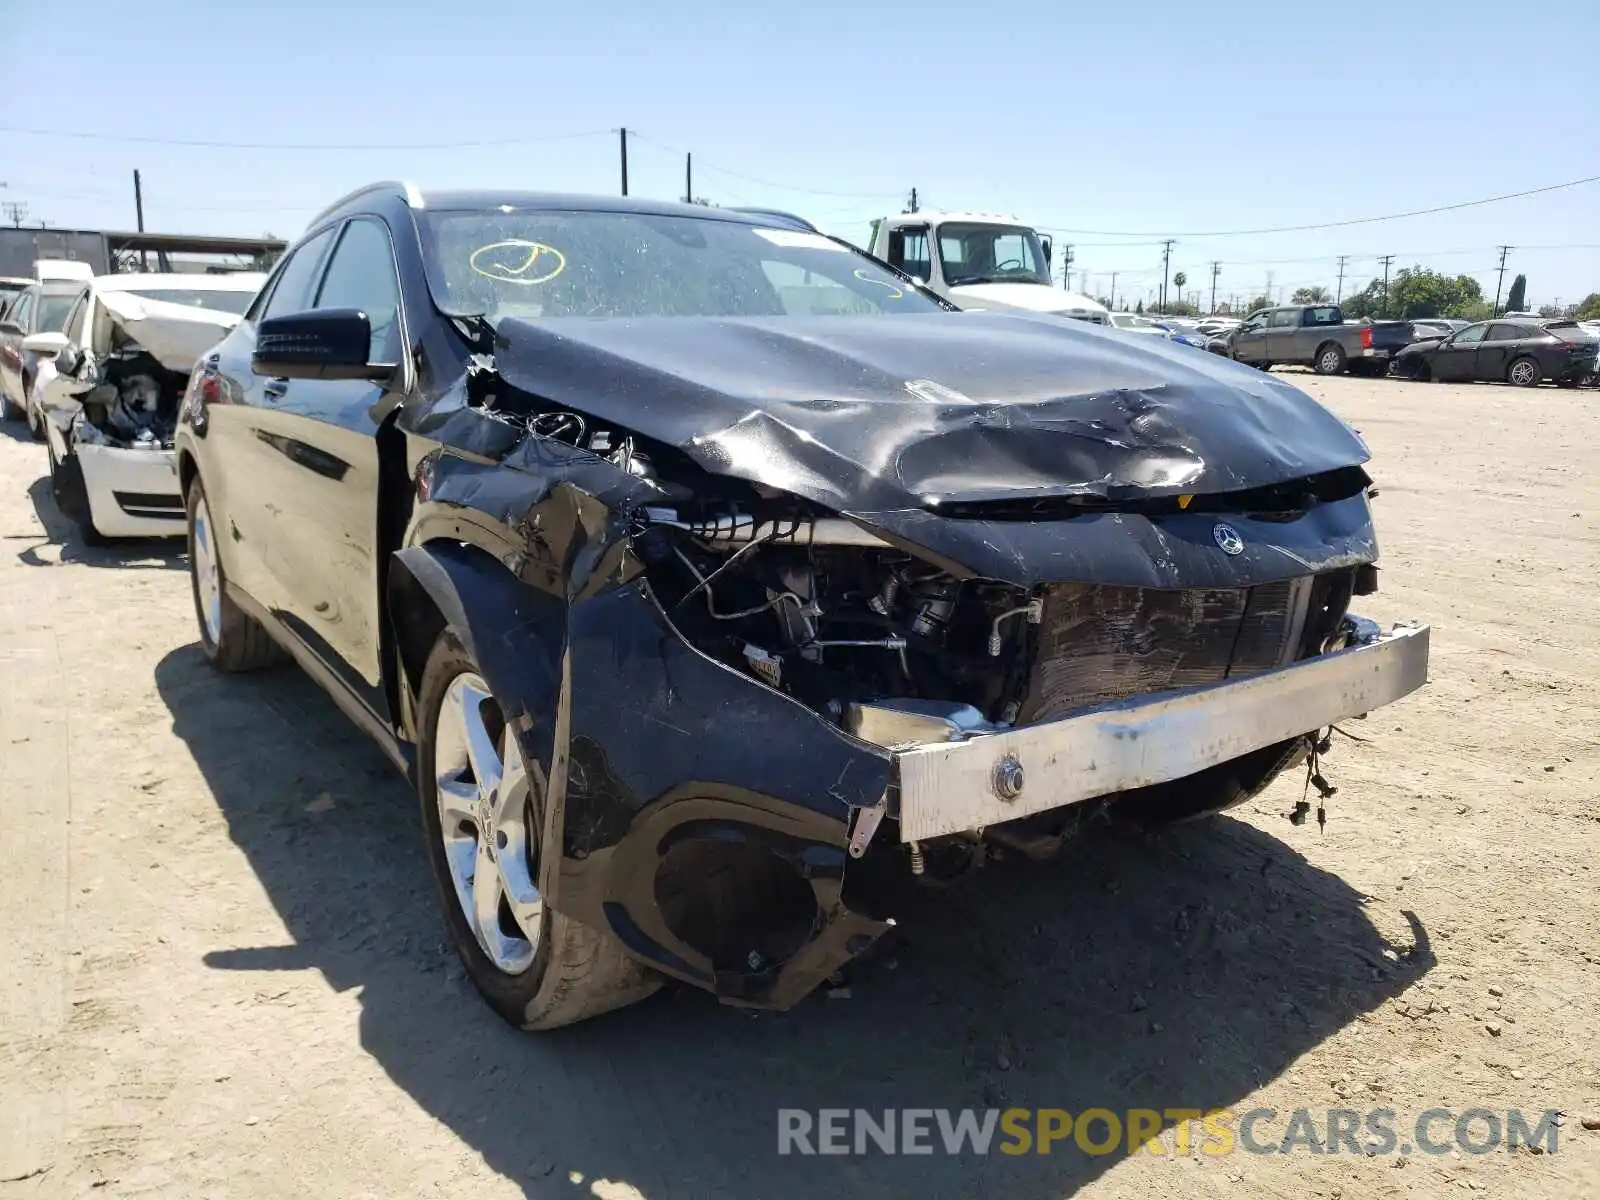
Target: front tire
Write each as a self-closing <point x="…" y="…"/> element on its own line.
<point x="71" y="495"/>
<point x="1524" y="372"/>
<point x="1330" y="360"/>
<point x="231" y="639"/>
<point x="483" y="818"/>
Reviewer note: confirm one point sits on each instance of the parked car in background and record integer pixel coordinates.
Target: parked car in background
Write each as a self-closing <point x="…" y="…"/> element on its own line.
<point x="1425" y="328"/>
<point x="1135" y="323"/>
<point x="1522" y="353"/>
<point x="10" y="288"/>
<point x="1318" y="336"/>
<point x="1212" y="326"/>
<point x="108" y="402"/>
<point x="540" y="490"/>
<point x="31" y="330"/>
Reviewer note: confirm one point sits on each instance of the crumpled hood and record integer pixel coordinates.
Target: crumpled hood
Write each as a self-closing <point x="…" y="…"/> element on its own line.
<point x="865" y="414"/>
<point x="176" y="335"/>
<point x="1030" y="297"/>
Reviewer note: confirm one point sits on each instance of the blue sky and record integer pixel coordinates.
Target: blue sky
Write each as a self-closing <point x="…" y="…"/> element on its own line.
<point x="1151" y="118"/>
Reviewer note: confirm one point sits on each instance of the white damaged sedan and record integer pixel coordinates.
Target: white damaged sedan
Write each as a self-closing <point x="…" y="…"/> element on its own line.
<point x="108" y="400"/>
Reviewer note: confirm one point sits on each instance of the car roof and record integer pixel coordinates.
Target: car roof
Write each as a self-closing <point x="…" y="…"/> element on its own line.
<point x="487" y="200"/>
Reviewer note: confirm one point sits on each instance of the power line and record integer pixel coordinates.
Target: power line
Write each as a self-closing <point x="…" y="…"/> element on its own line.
<point x="88" y="135"/>
<point x="1420" y="212"/>
<point x="787" y="187"/>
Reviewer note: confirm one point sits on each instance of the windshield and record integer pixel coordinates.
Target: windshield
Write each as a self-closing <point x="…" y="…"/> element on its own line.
<point x="991" y="254"/>
<point x="217" y="301"/>
<point x="573" y="263"/>
<point x="54" y="307"/>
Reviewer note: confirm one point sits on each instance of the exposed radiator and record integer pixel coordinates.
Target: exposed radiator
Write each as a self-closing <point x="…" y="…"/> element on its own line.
<point x="1098" y="644"/>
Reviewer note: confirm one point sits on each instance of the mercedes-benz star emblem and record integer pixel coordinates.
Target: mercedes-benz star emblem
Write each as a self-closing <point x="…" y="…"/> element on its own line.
<point x="1228" y="539"/>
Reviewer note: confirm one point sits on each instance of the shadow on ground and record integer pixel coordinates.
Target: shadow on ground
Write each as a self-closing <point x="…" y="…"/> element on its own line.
<point x="60" y="532"/>
<point x="1139" y="971"/>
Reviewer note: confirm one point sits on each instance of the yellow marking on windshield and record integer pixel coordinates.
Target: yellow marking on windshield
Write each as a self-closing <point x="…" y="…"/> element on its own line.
<point x="894" y="292"/>
<point x="521" y="262"/>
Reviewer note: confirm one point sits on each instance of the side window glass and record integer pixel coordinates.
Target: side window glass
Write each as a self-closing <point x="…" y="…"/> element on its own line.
<point x="1508" y="333"/>
<point x="22" y="313"/>
<point x="1322" y="316"/>
<point x="74" y="329"/>
<point x="293" y="291"/>
<point x="1471" y="335"/>
<point x="1285" y="319"/>
<point x="362" y="276"/>
<point x="908" y="250"/>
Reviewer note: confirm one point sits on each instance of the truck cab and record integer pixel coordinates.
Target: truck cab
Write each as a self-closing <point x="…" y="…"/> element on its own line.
<point x="979" y="260"/>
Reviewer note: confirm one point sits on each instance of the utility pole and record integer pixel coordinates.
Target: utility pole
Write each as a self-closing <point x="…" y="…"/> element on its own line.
<point x="688" y="178"/>
<point x="911" y="205"/>
<point x="1268" y="292"/>
<point x="138" y="211"/>
<point x="16" y="212"/>
<point x="1066" y="266"/>
<point x="623" y="133"/>
<point x="1500" y="279"/>
<point x="1339" y="295"/>
<point x="1216" y="269"/>
<point x="1387" y="259"/>
<point x="1113" y="291"/>
<point x="1166" y="258"/>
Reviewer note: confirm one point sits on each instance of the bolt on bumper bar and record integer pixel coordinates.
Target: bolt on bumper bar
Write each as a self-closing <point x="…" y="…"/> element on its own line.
<point x="952" y="787"/>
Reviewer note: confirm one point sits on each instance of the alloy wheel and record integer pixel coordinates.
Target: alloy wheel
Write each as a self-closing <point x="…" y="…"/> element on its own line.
<point x="1522" y="373"/>
<point x="481" y="783"/>
<point x="207" y="576"/>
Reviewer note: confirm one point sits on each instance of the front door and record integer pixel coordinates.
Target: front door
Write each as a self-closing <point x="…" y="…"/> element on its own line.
<point x="322" y="463"/>
<point x="1250" y="342"/>
<point x="1457" y="358"/>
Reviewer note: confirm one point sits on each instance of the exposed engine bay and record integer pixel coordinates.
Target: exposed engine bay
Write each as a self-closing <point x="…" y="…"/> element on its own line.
<point x="135" y="403"/>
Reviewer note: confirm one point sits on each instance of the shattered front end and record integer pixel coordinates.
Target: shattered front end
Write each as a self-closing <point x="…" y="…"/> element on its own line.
<point x="765" y="642"/>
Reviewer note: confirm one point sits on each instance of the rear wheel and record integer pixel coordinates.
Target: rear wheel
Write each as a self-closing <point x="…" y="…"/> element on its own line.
<point x="482" y="815"/>
<point x="1524" y="372"/>
<point x="231" y="638"/>
<point x="1330" y="359"/>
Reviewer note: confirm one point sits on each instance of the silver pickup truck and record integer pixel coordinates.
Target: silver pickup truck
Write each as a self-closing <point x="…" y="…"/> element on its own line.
<point x="1318" y="336"/>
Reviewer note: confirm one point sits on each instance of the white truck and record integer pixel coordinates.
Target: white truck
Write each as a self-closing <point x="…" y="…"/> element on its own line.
<point x="979" y="260"/>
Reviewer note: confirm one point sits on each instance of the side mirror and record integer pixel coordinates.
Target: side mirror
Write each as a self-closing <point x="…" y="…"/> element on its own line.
<point x="1048" y="246"/>
<point x="44" y="344"/>
<point x="331" y="343"/>
<point x="9" y="330"/>
<point x="69" y="360"/>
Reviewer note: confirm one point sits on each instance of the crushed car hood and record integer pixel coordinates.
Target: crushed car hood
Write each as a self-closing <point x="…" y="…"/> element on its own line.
<point x="176" y="335"/>
<point x="864" y="414"/>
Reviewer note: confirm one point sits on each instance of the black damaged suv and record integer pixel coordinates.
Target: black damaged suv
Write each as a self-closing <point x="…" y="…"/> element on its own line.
<point x="683" y="557"/>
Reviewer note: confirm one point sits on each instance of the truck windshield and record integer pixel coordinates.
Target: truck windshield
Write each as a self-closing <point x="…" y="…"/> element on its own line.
<point x="539" y="263"/>
<point x="991" y="254"/>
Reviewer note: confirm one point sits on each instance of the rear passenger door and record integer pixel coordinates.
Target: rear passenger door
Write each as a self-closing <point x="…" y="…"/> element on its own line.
<point x="244" y="491"/>
<point x="322" y="470"/>
<point x="1282" y="331"/>
<point x="1500" y="345"/>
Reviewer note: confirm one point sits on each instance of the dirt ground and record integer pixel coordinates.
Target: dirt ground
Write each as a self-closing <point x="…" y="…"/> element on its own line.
<point x="224" y="974"/>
